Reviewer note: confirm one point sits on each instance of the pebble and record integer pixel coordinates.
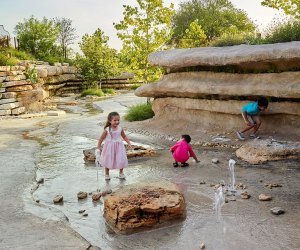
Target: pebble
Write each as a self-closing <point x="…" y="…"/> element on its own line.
<point x="271" y="185"/>
<point x="232" y="198"/>
<point x="202" y="182"/>
<point x="81" y="211"/>
<point x="215" y="160"/>
<point x="202" y="246"/>
<point x="245" y="195"/>
<point x="40" y="181"/>
<point x="108" y="191"/>
<point x="85" y="214"/>
<point x="58" y="198"/>
<point x="81" y="195"/>
<point x="96" y="196"/>
<point x="37" y="201"/>
<point x="265" y="197"/>
<point x="277" y="210"/>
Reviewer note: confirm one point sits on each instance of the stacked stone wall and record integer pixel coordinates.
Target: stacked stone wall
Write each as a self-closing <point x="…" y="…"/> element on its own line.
<point x="18" y="94"/>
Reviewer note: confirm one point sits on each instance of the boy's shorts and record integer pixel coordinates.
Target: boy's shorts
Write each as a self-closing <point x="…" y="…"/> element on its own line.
<point x="253" y="119"/>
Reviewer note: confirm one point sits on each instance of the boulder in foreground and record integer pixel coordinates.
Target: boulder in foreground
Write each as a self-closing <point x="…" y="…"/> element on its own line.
<point x="141" y="206"/>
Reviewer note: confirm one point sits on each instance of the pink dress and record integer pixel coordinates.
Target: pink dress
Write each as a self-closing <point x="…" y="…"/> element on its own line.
<point x="182" y="151"/>
<point x="113" y="155"/>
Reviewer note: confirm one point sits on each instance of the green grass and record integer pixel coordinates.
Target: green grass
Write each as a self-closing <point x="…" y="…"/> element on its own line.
<point x="109" y="91"/>
<point x="135" y="86"/>
<point x="139" y="112"/>
<point x="11" y="57"/>
<point x="96" y="92"/>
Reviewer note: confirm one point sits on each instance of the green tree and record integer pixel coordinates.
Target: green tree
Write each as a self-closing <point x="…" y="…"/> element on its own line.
<point x="214" y="16"/>
<point x="99" y="61"/>
<point x="290" y="7"/>
<point x="194" y="36"/>
<point x="37" y="37"/>
<point x="67" y="34"/>
<point x="144" y="29"/>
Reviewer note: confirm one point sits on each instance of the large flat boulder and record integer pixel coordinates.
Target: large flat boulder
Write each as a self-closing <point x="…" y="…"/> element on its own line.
<point x="261" y="151"/>
<point x="282" y="56"/>
<point x="141" y="206"/>
<point x="224" y="85"/>
<point x="163" y="106"/>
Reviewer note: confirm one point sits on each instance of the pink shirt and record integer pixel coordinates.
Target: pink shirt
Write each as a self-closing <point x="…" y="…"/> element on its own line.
<point x="182" y="151"/>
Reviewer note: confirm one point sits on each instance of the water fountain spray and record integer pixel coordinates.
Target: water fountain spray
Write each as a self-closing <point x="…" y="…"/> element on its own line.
<point x="231" y="170"/>
<point x="219" y="202"/>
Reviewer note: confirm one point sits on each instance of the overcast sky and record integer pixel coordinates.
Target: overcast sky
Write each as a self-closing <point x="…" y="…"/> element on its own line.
<point x="88" y="15"/>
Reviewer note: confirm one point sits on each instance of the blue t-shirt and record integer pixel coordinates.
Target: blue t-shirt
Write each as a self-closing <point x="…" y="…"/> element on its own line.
<point x="251" y="108"/>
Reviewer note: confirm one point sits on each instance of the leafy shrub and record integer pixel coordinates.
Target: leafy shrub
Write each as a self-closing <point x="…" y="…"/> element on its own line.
<point x="282" y="31"/>
<point x="31" y="74"/>
<point x="231" y="39"/>
<point x="109" y="91"/>
<point x="139" y="112"/>
<point x="19" y="54"/>
<point x="97" y="92"/>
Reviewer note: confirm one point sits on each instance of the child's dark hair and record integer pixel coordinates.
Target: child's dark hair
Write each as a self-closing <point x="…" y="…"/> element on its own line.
<point x="187" y="138"/>
<point x="263" y="102"/>
<point x="109" y="117"/>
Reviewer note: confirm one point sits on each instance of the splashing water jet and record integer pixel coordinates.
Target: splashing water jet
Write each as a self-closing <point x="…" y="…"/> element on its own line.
<point x="231" y="170"/>
<point x="219" y="202"/>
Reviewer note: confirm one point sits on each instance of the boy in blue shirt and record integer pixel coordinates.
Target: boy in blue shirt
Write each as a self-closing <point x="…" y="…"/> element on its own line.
<point x="250" y="114"/>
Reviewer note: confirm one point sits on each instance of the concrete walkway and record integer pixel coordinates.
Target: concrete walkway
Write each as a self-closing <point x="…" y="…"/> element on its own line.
<point x="19" y="229"/>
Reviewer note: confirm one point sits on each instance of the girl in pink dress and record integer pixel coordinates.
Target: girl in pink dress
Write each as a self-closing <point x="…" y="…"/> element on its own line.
<point x="113" y="154"/>
<point x="182" y="151"/>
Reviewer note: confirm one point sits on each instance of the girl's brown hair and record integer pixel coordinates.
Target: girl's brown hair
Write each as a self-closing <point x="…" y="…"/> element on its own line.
<point x="109" y="118"/>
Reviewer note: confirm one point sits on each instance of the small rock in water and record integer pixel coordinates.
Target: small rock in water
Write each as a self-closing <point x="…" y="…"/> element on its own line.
<point x="215" y="160"/>
<point x="202" y="182"/>
<point x="265" y="197"/>
<point x="260" y="180"/>
<point x="40" y="181"/>
<point x="109" y="191"/>
<point x="85" y="214"/>
<point x="271" y="185"/>
<point x="37" y="201"/>
<point x="245" y="195"/>
<point x="226" y="200"/>
<point x="277" y="210"/>
<point x="81" y="211"/>
<point x="96" y="196"/>
<point x="58" y="198"/>
<point x="202" y="246"/>
<point x="232" y="198"/>
<point x="81" y="195"/>
<point x="241" y="186"/>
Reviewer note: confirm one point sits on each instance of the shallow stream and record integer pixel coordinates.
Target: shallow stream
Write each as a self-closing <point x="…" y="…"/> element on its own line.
<point x="244" y="224"/>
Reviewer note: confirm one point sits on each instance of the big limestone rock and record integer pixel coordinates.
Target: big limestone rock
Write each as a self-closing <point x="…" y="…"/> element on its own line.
<point x="208" y="87"/>
<point x="142" y="206"/>
<point x="280" y="56"/>
<point x="261" y="151"/>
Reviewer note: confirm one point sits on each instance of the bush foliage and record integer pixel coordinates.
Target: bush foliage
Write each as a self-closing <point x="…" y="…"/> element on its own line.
<point x="139" y="112"/>
<point x="96" y="92"/>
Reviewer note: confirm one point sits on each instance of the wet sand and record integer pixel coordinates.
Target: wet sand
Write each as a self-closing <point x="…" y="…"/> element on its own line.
<point x="54" y="147"/>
